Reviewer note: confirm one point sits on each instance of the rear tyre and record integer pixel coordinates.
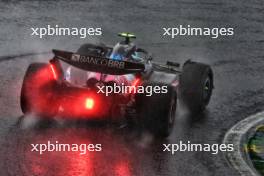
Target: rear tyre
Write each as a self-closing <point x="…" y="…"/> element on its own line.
<point x="37" y="93"/>
<point x="196" y="86"/>
<point x="157" y="112"/>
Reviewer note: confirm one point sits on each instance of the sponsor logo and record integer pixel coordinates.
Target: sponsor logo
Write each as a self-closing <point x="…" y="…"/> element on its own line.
<point x="75" y="57"/>
<point x="98" y="61"/>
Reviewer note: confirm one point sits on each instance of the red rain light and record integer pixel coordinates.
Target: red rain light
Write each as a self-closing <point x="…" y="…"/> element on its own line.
<point x="89" y="103"/>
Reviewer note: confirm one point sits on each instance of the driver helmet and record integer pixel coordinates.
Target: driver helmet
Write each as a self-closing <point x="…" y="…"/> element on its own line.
<point x="123" y="51"/>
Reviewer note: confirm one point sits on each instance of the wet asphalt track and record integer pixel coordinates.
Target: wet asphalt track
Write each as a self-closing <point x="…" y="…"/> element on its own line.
<point x="238" y="63"/>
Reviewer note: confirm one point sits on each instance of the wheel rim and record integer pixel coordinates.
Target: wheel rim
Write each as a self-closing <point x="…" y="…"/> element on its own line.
<point x="207" y="89"/>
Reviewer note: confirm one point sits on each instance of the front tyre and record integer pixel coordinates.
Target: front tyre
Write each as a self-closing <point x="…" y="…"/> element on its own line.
<point x="196" y="86"/>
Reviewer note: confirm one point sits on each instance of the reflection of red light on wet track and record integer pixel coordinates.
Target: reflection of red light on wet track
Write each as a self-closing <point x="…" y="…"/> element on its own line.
<point x="80" y="165"/>
<point x="112" y="161"/>
<point x="63" y="163"/>
<point x="122" y="168"/>
<point x="38" y="170"/>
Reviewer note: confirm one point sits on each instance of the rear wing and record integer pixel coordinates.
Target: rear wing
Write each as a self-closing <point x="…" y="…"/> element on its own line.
<point x="98" y="64"/>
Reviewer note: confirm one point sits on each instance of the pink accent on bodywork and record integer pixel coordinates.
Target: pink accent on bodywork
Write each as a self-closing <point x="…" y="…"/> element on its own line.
<point x="119" y="79"/>
<point x="93" y="75"/>
<point x="175" y="83"/>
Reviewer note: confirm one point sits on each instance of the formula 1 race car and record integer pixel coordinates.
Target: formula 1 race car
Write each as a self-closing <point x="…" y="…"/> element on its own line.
<point x="100" y="81"/>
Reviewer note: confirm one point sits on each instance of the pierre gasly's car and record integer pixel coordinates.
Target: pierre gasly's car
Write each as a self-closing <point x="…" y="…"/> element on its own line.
<point x="74" y="85"/>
